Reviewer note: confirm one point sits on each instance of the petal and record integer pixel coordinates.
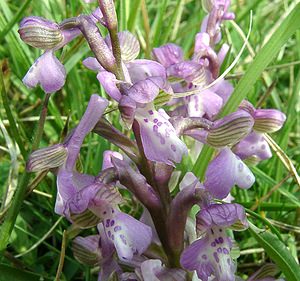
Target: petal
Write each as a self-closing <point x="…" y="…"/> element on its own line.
<point x="129" y="45"/>
<point x="92" y="64"/>
<point x="40" y="33"/>
<point x="190" y="71"/>
<point x="268" y="120"/>
<point x="230" y="129"/>
<point x="223" y="89"/>
<point x="223" y="52"/>
<point x="206" y="102"/>
<point x="188" y="180"/>
<point x="143" y="91"/>
<point x="46" y="71"/>
<point x="107" y="155"/>
<point x="127" y="107"/>
<point x="253" y="145"/>
<point x="224" y="172"/>
<point x="168" y="54"/>
<point x="87" y="250"/>
<point x="201" y="41"/>
<point x="66" y="189"/>
<point x="142" y="69"/>
<point x="130" y="236"/>
<point x="109" y="83"/>
<point x="210" y="256"/>
<point x="153" y="270"/>
<point x="46" y="158"/>
<point x="222" y="215"/>
<point x="69" y="185"/>
<point x="93" y="113"/>
<point x="159" y="138"/>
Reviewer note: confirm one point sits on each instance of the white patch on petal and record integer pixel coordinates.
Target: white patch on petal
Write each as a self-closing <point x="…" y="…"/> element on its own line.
<point x="159" y="138"/>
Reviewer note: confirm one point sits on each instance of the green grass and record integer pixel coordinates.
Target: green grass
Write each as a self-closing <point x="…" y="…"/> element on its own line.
<point x="168" y="21"/>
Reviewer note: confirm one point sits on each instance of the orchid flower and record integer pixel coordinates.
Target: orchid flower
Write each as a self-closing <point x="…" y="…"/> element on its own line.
<point x="47" y="70"/>
<point x="143" y="81"/>
<point x="210" y="255"/>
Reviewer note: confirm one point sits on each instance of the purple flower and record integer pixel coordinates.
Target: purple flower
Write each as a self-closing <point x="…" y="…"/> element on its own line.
<point x="97" y="250"/>
<point x="143" y="81"/>
<point x="47" y="70"/>
<point x="129" y="236"/>
<point x="268" y="120"/>
<point x="168" y="54"/>
<point x="68" y="180"/>
<point x="210" y="255"/>
<point x="226" y="170"/>
<point x="254" y="145"/>
<point x="159" y="138"/>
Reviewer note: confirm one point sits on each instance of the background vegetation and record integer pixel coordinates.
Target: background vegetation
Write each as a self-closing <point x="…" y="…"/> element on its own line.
<point x="36" y="238"/>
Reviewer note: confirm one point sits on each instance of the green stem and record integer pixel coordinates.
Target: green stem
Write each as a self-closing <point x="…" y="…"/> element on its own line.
<point x="40" y="128"/>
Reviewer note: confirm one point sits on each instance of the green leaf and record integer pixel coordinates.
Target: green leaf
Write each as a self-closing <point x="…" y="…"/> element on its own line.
<point x="277" y="252"/>
<point x="11" y="273"/>
<point x="263" y="58"/>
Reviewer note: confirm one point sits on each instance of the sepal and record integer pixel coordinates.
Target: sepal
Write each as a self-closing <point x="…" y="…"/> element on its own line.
<point x="46" y="158"/>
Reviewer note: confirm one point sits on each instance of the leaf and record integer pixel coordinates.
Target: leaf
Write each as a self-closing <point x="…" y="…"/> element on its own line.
<point x="263" y="58"/>
<point x="11" y="273"/>
<point x="277" y="252"/>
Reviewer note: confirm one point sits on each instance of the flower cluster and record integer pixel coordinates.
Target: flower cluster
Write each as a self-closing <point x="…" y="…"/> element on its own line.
<point x="166" y="242"/>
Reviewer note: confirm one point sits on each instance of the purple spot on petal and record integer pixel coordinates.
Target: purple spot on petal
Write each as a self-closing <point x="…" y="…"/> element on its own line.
<point x="112" y="237"/>
<point x="112" y="210"/>
<point x="173" y="147"/>
<point x="217" y="240"/>
<point x="219" y="250"/>
<point x="216" y="257"/>
<point x="159" y="124"/>
<point x="109" y="233"/>
<point x="225" y="251"/>
<point x="123" y="239"/>
<point x="240" y="167"/>
<point x="112" y="222"/>
<point x="107" y="223"/>
<point x="150" y="112"/>
<point x="117" y="228"/>
<point x="146" y="120"/>
<point x="155" y="128"/>
<point x="221" y="240"/>
<point x="155" y="120"/>
<point x="213" y="244"/>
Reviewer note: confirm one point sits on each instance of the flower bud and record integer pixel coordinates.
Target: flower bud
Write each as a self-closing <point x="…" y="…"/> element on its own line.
<point x="268" y="120"/>
<point x="230" y="129"/>
<point x="46" y="158"/>
<point x="40" y="33"/>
